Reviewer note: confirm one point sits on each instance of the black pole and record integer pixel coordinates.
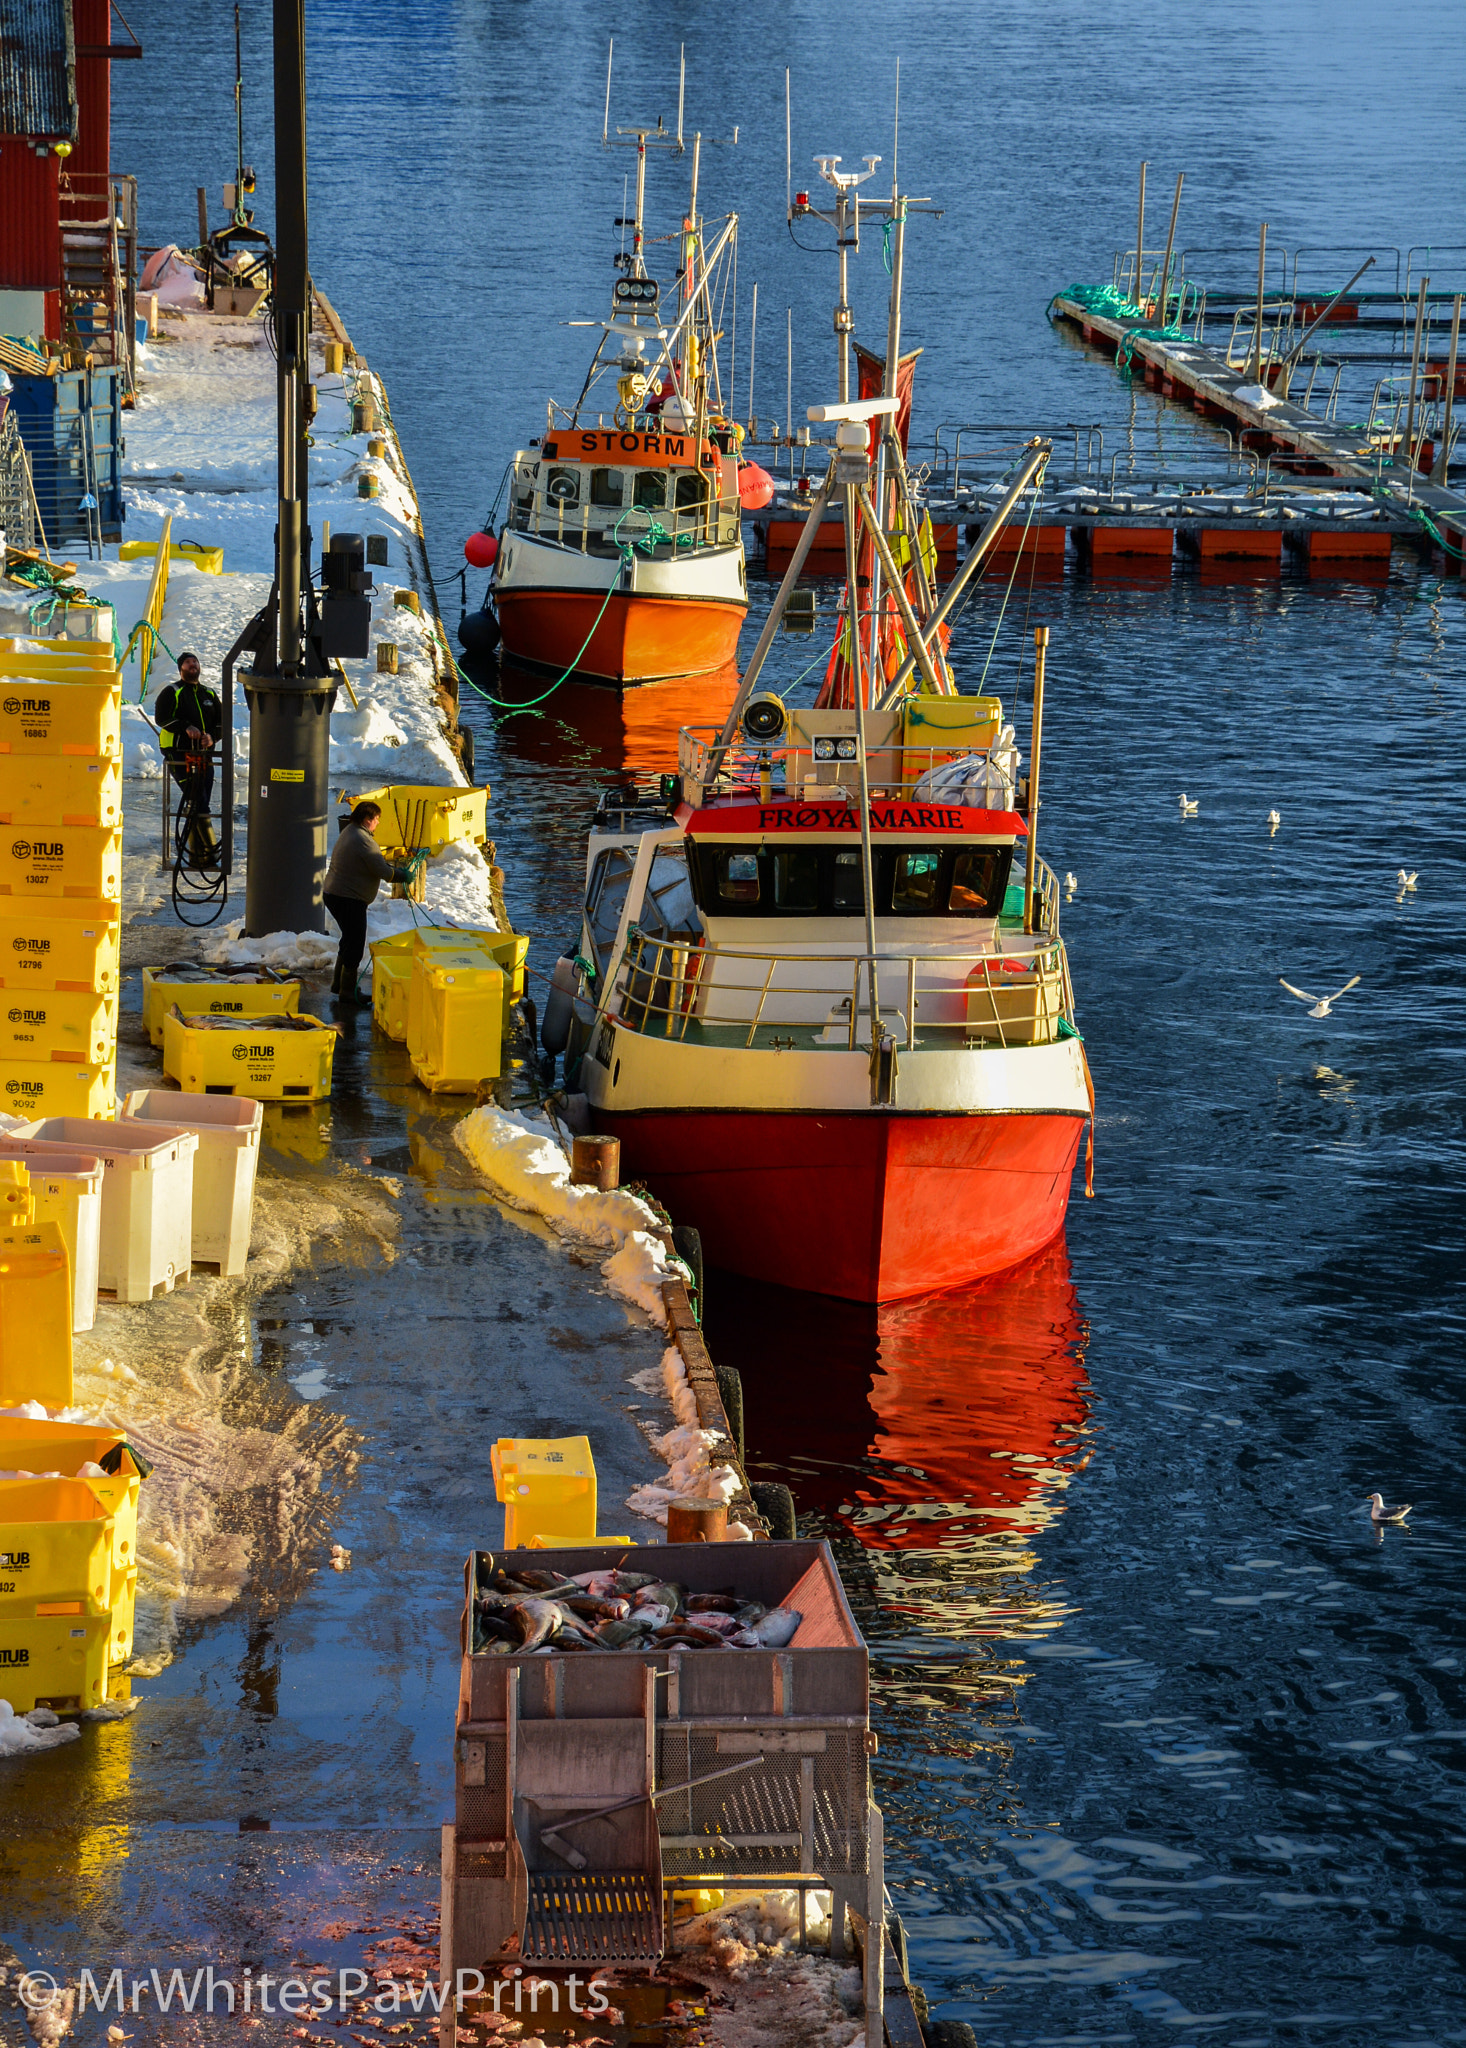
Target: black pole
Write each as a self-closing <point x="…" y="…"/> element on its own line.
<point x="289" y="691"/>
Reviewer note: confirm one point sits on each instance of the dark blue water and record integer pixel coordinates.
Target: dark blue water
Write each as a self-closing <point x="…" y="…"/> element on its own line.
<point x="1171" y="1746"/>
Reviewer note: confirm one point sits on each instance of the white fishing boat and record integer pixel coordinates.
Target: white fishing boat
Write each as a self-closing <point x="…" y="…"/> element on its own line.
<point x="620" y="557"/>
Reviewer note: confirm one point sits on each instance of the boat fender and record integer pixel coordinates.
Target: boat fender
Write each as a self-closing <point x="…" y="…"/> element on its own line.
<point x="775" y="1504"/>
<point x="559" y="1004"/>
<point x="687" y="1244"/>
<point x="730" y="1393"/>
<point x="478" y="632"/>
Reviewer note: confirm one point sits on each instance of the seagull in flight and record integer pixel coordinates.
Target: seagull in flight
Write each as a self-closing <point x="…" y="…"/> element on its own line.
<point x="1189" y="805"/>
<point x="1274" y="819"/>
<point x="1407" y="881"/>
<point x="1322" y="1005"/>
<point x="1379" y="1514"/>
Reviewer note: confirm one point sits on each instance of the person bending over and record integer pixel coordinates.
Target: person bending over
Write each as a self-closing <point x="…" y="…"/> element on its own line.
<point x="358" y="869"/>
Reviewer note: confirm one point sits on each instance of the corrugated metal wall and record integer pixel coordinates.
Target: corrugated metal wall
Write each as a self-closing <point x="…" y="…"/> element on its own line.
<point x="30" y="241"/>
<point x="37" y="86"/>
<point x="93" y="24"/>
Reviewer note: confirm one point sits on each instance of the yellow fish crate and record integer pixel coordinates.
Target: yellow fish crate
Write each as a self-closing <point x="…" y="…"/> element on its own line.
<point x="391" y="984"/>
<point x="66" y="1661"/>
<point x="53" y="861"/>
<point x="427" y="816"/>
<point x="75" y="944"/>
<point x="273" y="1059"/>
<point x="272" y="997"/>
<point x="33" y="1446"/>
<point x="460" y="1038"/>
<point x="76" y="713"/>
<point x="63" y="789"/>
<point x="56" y="1545"/>
<point x="58" y="1024"/>
<point x="45" y="1087"/>
<point x="35" y="1317"/>
<point x="548" y="1488"/>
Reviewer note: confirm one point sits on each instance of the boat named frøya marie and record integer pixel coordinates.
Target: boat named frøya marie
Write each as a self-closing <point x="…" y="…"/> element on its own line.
<point x="620" y="558"/>
<point x="728" y="1037"/>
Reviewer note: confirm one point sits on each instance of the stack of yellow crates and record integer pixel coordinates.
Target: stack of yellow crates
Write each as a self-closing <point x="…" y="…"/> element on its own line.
<point x="446" y="992"/>
<point x="68" y="1492"/>
<point x="60" y="876"/>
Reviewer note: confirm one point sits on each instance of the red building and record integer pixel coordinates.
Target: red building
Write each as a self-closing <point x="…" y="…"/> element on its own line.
<point x="56" y="60"/>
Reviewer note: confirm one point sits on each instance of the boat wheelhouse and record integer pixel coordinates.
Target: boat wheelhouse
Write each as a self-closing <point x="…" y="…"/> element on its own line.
<point x="866" y="1122"/>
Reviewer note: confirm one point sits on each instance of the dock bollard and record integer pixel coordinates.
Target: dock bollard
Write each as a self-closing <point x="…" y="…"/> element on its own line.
<point x="596" y="1163"/>
<point x="697" y="1521"/>
<point x="367" y="487"/>
<point x="386" y="657"/>
<point x="407" y="601"/>
<point x="364" y="416"/>
<point x="377" y="447"/>
<point x="335" y="358"/>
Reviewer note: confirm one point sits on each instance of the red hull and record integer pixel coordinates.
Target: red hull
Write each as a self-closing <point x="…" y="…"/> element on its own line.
<point x="631" y="639"/>
<point x="872" y="1207"/>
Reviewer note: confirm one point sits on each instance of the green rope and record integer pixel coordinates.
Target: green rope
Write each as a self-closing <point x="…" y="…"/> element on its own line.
<point x="145" y="626"/>
<point x="1098" y="298"/>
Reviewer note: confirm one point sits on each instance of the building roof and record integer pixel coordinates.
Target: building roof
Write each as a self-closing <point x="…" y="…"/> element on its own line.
<point x="37" y="68"/>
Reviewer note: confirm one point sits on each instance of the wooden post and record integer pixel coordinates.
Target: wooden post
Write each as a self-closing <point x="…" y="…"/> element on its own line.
<point x="1170" y="241"/>
<point x="1140" y="235"/>
<point x="1414" y="374"/>
<point x="203" y="217"/>
<point x="1040" y="652"/>
<point x="1438" y="474"/>
<point x="596" y="1163"/>
<point x="1261" y="294"/>
<point x="697" y="1521"/>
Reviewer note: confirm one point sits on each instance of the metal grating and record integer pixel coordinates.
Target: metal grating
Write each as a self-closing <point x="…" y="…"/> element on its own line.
<point x="808" y="1809"/>
<point x="602" y="1917"/>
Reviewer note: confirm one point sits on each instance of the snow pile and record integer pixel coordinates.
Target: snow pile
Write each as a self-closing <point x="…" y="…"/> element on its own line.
<point x="688" y="1451"/>
<point x="1256" y="395"/>
<point x="295" y="952"/>
<point x="528" y="1166"/>
<point x="40" y="1729"/>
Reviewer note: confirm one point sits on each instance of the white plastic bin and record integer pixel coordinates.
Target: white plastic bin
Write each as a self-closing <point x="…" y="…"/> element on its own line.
<point x="228" y="1130"/>
<point x="67" y="1189"/>
<point x="147" y="1200"/>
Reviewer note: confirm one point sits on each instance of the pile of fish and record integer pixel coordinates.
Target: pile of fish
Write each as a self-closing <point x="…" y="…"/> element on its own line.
<point x="246" y="977"/>
<point x="515" y="1612"/>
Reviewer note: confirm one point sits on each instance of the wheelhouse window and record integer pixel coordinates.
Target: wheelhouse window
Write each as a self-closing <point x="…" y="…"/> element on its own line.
<point x="827" y="881"/>
<point x="524" y="485"/>
<point x="606" y="486"/>
<point x="606" y="897"/>
<point x="651" y="490"/>
<point x="692" y="489"/>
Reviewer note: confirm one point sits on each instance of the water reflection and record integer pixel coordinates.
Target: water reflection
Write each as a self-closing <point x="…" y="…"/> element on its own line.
<point x="602" y="729"/>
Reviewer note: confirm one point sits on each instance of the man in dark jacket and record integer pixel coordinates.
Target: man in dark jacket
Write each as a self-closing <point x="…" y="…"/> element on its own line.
<point x="189" y="718"/>
<point x="358" y="869"/>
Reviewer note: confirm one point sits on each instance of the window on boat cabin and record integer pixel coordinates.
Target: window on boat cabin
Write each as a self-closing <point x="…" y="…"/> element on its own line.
<point x="796" y="875"/>
<point x="562" y="487"/>
<point x="668" y="910"/>
<point x="605" y="899"/>
<point x="606" y="486"/>
<point x="916" y="882"/>
<point x="651" y="490"/>
<point x="735" y="883"/>
<point x="847" y="883"/>
<point x="692" y="489"/>
<point x="524" y="484"/>
<point x="811" y="881"/>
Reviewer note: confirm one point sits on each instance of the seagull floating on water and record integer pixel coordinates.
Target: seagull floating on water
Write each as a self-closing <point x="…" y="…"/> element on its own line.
<point x="1380" y="1514"/>
<point x="1274" y="819"/>
<point x="1071" y="882"/>
<point x="1321" y="1004"/>
<point x="1407" y="881"/>
<point x="1189" y="805"/>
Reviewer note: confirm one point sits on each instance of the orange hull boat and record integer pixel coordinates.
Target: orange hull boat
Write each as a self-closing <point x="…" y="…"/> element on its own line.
<point x="639" y="638"/>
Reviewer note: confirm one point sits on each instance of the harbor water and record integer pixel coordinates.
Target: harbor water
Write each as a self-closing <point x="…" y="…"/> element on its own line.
<point x="1172" y="1743"/>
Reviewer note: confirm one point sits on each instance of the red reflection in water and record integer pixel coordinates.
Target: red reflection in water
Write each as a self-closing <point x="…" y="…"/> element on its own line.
<point x="912" y="1423"/>
<point x="620" y="729"/>
<point x="969" y="1386"/>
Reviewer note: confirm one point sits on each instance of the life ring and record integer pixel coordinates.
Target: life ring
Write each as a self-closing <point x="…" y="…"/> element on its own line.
<point x="563" y="488"/>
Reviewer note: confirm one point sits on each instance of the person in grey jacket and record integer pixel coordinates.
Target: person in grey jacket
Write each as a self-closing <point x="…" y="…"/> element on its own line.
<point x="358" y="869"/>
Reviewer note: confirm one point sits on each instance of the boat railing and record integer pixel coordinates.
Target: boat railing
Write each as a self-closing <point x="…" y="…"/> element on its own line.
<point x="801" y="773"/>
<point x="1018" y="994"/>
<point x="660" y="530"/>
